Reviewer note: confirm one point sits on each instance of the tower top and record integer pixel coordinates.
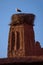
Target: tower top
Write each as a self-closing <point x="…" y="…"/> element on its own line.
<point x="22" y="18"/>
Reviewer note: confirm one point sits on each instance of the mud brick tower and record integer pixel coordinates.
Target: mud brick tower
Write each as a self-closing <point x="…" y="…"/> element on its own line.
<point x="21" y="40"/>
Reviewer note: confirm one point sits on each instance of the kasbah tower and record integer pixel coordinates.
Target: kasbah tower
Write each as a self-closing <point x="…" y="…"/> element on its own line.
<point x="21" y="40"/>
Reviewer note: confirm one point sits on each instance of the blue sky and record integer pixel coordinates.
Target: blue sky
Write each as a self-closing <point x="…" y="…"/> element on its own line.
<point x="7" y="8"/>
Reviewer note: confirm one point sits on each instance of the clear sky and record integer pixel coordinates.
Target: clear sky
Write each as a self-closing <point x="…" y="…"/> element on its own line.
<point x="7" y="8"/>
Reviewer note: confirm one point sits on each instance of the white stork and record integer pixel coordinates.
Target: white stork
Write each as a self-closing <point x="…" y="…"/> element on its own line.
<point x="18" y="10"/>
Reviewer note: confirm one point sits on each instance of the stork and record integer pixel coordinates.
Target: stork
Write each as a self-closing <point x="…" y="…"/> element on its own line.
<point x="18" y="10"/>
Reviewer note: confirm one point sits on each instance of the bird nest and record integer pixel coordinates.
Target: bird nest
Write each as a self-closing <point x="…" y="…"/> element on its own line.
<point x="22" y="18"/>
